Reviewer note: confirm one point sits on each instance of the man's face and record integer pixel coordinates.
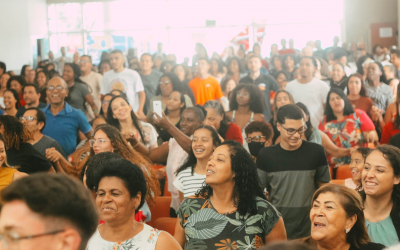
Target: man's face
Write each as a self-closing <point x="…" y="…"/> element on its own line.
<point x="63" y="51"/>
<point x="51" y="55"/>
<point x="254" y="64"/>
<point x="17" y="219"/>
<point x="306" y="68"/>
<point x="30" y="121"/>
<point x="30" y="95"/>
<point x="117" y="60"/>
<point x="204" y="67"/>
<point x="287" y="136"/>
<point x="146" y="63"/>
<point x="56" y="91"/>
<point x="85" y="64"/>
<point x="395" y="60"/>
<point x="374" y="72"/>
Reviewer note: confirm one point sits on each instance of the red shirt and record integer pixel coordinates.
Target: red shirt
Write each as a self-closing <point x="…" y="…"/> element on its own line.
<point x="234" y="133"/>
<point x="388" y="132"/>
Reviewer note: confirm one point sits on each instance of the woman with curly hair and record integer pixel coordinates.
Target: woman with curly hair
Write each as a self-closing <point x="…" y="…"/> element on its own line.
<point x="191" y="175"/>
<point x="381" y="194"/>
<point x="19" y="152"/>
<point x="230" y="211"/>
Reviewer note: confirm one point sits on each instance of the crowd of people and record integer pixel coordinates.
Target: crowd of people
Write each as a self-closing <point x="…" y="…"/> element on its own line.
<point x="247" y="146"/>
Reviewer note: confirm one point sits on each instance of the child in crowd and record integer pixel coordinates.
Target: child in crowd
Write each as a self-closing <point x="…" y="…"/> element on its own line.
<point x="356" y="167"/>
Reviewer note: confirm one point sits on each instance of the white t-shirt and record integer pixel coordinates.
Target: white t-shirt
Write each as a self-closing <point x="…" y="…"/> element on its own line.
<point x="187" y="183"/>
<point x="128" y="81"/>
<point x="94" y="80"/>
<point x="176" y="157"/>
<point x="313" y="95"/>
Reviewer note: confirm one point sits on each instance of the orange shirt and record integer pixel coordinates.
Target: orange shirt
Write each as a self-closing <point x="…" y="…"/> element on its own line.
<point x="205" y="89"/>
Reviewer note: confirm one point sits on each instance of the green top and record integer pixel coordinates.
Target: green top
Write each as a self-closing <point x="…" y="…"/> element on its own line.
<point x="382" y="232"/>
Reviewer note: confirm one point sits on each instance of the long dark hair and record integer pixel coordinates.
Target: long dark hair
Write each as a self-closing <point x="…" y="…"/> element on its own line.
<point x="220" y="65"/>
<point x="114" y="122"/>
<point x="101" y="109"/>
<point x="224" y="124"/>
<point x="239" y="62"/>
<point x="348" y="109"/>
<point x="23" y="69"/>
<point x="392" y="155"/>
<point x="176" y="83"/>
<point x="166" y="112"/>
<point x="192" y="160"/>
<point x="256" y="102"/>
<point x="310" y="128"/>
<point x="247" y="185"/>
<point x="19" y="79"/>
<point x="77" y="74"/>
<point x="396" y="122"/>
<point x="362" y="90"/>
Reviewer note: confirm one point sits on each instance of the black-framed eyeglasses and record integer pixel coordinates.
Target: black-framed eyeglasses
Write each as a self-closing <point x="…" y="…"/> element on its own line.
<point x="11" y="238"/>
<point x="257" y="138"/>
<point x="27" y="118"/>
<point x="166" y="82"/>
<point x="52" y="88"/>
<point x="292" y="131"/>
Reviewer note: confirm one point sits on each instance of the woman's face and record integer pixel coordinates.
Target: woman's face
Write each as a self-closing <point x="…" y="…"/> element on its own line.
<point x="354" y="85"/>
<point x="328" y="218"/>
<point x="214" y="66"/>
<point x="16" y="85"/>
<point x="213" y="118"/>
<point x="166" y="86"/>
<point x="378" y="176"/>
<point x="180" y="72"/>
<point x="41" y="79"/>
<point x="168" y="67"/>
<point x="337" y="73"/>
<point x="202" y="144"/>
<point x="114" y="201"/>
<point x="68" y="73"/>
<point x="356" y="166"/>
<point x="281" y="78"/>
<point x="121" y="110"/>
<point x="3" y="80"/>
<point x="230" y="85"/>
<point x="234" y="66"/>
<point x="189" y="122"/>
<point x="336" y="102"/>
<point x="98" y="121"/>
<point x="174" y="101"/>
<point x="9" y="100"/>
<point x="3" y="156"/>
<point x="277" y="63"/>
<point x="243" y="97"/>
<point x="105" y="103"/>
<point x="289" y="63"/>
<point x="104" y="68"/>
<point x="27" y="69"/>
<point x="219" y="168"/>
<point x="282" y="99"/>
<point x="102" y="144"/>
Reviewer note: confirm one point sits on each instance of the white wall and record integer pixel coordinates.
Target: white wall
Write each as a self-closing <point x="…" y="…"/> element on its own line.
<point x="22" y="22"/>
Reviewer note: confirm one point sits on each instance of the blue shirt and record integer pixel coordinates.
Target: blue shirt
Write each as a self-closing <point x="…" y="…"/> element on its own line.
<point x="65" y="126"/>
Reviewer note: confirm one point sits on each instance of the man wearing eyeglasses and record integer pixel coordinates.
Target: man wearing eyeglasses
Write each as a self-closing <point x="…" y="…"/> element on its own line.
<point x="46" y="212"/>
<point x="35" y="121"/>
<point x="292" y="170"/>
<point x="94" y="80"/>
<point x="63" y="121"/>
<point x="31" y="95"/>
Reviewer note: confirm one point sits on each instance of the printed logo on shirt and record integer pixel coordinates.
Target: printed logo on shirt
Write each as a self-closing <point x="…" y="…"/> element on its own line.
<point x="262" y="86"/>
<point x="208" y="85"/>
<point x="119" y="84"/>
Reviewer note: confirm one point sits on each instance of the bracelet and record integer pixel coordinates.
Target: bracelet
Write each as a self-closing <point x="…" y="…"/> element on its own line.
<point x="136" y="145"/>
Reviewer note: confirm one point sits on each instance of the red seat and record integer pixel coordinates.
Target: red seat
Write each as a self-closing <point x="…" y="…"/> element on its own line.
<point x="339" y="182"/>
<point x="343" y="172"/>
<point x="160" y="208"/>
<point x="166" y="224"/>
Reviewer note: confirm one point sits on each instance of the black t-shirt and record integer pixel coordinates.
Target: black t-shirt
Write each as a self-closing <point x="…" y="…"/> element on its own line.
<point x="368" y="246"/>
<point x="21" y="110"/>
<point x="395" y="141"/>
<point x="28" y="159"/>
<point x="266" y="84"/>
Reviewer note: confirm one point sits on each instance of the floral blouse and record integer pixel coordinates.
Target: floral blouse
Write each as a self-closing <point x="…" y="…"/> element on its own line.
<point x="346" y="134"/>
<point x="205" y="228"/>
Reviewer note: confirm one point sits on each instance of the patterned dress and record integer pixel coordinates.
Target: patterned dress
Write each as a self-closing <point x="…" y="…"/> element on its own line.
<point x="346" y="134"/>
<point x="205" y="228"/>
<point x="145" y="240"/>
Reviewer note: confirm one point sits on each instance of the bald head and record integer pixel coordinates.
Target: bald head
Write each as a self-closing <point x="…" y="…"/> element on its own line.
<point x="307" y="51"/>
<point x="57" y="80"/>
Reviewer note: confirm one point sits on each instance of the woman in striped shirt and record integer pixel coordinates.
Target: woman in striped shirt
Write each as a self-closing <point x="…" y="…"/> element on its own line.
<point x="191" y="175"/>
